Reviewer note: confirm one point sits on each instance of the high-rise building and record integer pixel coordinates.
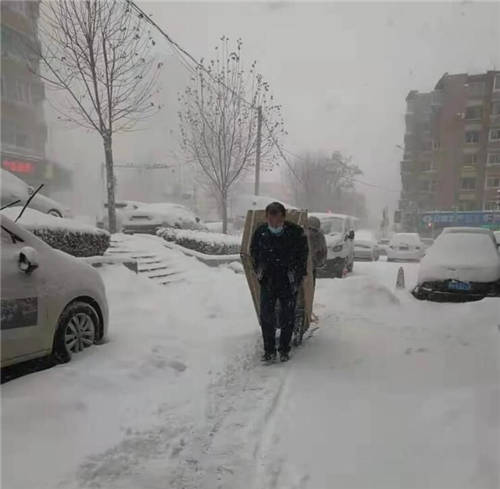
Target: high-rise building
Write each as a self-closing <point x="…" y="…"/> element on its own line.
<point x="452" y="147"/>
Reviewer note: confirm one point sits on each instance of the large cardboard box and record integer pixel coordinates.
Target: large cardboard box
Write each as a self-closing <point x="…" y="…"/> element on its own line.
<point x="306" y="294"/>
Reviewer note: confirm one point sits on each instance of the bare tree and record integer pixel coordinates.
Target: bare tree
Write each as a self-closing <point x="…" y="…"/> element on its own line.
<point x="98" y="54"/>
<point x="321" y="182"/>
<point x="218" y="120"/>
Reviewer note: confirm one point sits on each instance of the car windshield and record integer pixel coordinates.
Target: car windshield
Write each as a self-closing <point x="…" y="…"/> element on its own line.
<point x="332" y="225"/>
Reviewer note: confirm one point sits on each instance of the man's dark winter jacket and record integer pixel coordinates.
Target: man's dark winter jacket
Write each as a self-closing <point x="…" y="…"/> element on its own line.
<point x="274" y="256"/>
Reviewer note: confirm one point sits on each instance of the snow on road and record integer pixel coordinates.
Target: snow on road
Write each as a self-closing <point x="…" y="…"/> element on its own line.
<point x="388" y="392"/>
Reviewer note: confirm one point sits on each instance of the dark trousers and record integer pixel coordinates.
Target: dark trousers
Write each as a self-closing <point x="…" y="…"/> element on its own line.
<point x="269" y="295"/>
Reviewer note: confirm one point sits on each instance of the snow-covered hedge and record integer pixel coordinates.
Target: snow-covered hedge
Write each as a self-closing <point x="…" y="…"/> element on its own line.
<point x="203" y="242"/>
<point x="67" y="235"/>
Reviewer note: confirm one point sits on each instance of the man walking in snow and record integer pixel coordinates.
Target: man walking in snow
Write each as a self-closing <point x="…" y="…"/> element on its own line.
<point x="279" y="252"/>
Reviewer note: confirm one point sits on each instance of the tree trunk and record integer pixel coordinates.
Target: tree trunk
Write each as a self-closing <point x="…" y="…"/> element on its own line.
<point x="224" y="212"/>
<point x="110" y="183"/>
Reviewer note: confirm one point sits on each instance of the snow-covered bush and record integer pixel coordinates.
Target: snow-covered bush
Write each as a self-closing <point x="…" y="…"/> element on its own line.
<point x="67" y="235"/>
<point x="203" y="242"/>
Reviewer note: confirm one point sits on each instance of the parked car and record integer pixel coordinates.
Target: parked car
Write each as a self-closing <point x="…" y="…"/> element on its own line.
<point x="13" y="188"/>
<point x="148" y="218"/>
<point x="52" y="303"/>
<point x="462" y="265"/>
<point x="121" y="208"/>
<point x="365" y="246"/>
<point x="383" y="245"/>
<point x="405" y="247"/>
<point x="339" y="233"/>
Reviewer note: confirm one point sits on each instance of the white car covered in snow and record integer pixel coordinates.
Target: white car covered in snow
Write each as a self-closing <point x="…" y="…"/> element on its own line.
<point x="462" y="264"/>
<point x="14" y="189"/>
<point x="339" y="234"/>
<point x="52" y="303"/>
<point x="365" y="246"/>
<point x="148" y="218"/>
<point x="405" y="247"/>
<point x="122" y="208"/>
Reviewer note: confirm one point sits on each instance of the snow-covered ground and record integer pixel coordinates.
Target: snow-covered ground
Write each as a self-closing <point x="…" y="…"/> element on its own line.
<point x="388" y="392"/>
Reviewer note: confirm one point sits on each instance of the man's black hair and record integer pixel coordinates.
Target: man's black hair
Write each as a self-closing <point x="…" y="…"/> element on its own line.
<point x="275" y="208"/>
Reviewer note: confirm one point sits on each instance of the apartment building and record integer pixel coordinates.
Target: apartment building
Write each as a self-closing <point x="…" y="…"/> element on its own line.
<point x="452" y="147"/>
<point x="24" y="129"/>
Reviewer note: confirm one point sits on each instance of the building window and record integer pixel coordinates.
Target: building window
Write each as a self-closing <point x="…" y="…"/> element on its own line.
<point x="476" y="89"/>
<point x="468" y="183"/>
<point x="493" y="158"/>
<point x="496" y="83"/>
<point x="474" y="113"/>
<point x="425" y="165"/>
<point x="20" y="7"/>
<point x="435" y="145"/>
<point x="495" y="134"/>
<point x="495" y="108"/>
<point x="472" y="137"/>
<point x="492" y="205"/>
<point x="23" y="91"/>
<point x="493" y="182"/>
<point x="470" y="159"/>
<point x="15" y="135"/>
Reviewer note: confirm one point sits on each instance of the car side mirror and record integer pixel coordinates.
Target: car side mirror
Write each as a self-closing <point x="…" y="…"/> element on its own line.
<point x="28" y="259"/>
<point x="351" y="234"/>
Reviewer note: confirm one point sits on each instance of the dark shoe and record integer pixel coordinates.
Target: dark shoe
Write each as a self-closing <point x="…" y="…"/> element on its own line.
<point x="284" y="357"/>
<point x="269" y="357"/>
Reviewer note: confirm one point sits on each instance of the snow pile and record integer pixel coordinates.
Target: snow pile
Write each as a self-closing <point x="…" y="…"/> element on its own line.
<point x="203" y="242"/>
<point x="468" y="257"/>
<point x="68" y="235"/>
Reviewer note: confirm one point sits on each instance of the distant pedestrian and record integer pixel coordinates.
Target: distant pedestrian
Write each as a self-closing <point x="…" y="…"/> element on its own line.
<point x="317" y="241"/>
<point x="319" y="250"/>
<point x="279" y="252"/>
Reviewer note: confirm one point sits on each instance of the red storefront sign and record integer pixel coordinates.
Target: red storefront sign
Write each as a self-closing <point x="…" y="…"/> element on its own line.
<point x="24" y="167"/>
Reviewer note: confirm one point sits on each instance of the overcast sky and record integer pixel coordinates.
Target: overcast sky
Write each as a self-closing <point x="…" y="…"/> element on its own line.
<point x="342" y="70"/>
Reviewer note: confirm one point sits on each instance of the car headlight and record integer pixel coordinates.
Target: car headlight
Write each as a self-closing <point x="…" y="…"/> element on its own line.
<point x="337" y="248"/>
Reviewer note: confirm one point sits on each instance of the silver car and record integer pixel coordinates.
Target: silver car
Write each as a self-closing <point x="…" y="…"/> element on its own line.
<point x="51" y="303"/>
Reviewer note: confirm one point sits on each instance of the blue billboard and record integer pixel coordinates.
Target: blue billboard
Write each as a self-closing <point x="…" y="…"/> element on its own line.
<point x="486" y="219"/>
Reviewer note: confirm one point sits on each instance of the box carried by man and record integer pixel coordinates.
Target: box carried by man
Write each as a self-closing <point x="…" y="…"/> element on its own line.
<point x="278" y="267"/>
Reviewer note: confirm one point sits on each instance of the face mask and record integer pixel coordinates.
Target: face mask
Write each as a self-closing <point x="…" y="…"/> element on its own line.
<point x="274" y="230"/>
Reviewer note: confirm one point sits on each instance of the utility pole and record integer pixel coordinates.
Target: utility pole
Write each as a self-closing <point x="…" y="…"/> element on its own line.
<point x="257" y="156"/>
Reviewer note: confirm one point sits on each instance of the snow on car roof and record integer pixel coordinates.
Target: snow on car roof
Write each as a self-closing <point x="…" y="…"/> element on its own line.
<point x="32" y="218"/>
<point x="472" y="255"/>
<point x="326" y="215"/>
<point x="405" y="236"/>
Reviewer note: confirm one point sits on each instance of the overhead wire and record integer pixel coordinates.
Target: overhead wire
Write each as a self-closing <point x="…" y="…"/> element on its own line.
<point x="182" y="54"/>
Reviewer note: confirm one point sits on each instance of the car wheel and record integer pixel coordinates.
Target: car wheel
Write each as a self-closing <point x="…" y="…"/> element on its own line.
<point x="55" y="213"/>
<point x="77" y="329"/>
